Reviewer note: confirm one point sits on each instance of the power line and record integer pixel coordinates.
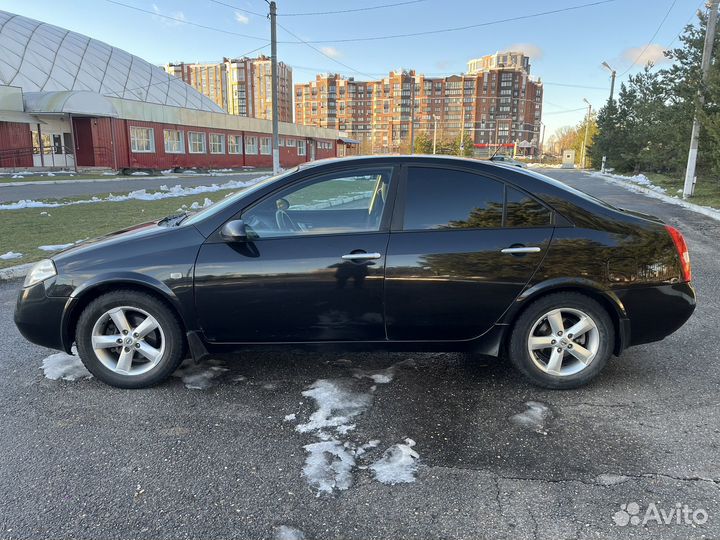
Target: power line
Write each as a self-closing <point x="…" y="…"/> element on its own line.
<point x="218" y="2"/>
<point x="323" y="53"/>
<point x="184" y="21"/>
<point x="667" y="13"/>
<point x="692" y="16"/>
<point x="369" y="8"/>
<point x="459" y="28"/>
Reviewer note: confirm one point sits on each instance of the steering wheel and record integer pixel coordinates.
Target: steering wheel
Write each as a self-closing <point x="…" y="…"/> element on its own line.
<point x="285" y="222"/>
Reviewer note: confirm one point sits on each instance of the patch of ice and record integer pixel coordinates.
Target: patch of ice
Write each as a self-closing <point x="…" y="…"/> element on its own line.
<point x="336" y="405"/>
<point x="534" y="417"/>
<point x="199" y="376"/>
<point x="64" y="366"/>
<point x="10" y="255"/>
<point x="56" y="247"/>
<point x="397" y="465"/>
<point x="383" y="376"/>
<point x="328" y="466"/>
<point x="283" y="532"/>
<point x="289" y="417"/>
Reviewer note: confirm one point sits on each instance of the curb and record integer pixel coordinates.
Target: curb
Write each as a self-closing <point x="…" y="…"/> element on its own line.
<point x="704" y="210"/>
<point x="14" y="272"/>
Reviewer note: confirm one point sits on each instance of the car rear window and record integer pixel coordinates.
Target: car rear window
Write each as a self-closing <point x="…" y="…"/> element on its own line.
<point x="439" y="198"/>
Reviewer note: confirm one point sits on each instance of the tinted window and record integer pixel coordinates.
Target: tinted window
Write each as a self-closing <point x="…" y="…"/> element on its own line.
<point x="524" y="211"/>
<point x="445" y="198"/>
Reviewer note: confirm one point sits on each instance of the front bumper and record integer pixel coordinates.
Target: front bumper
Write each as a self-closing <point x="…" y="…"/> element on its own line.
<point x="38" y="316"/>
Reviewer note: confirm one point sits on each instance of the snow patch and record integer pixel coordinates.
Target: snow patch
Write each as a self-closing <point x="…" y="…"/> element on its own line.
<point x="10" y="255"/>
<point x="336" y="405"/>
<point x="534" y="417"/>
<point x="328" y="466"/>
<point x="139" y="195"/>
<point x="639" y="179"/>
<point x="289" y="417"/>
<point x="283" y="532"/>
<point x="64" y="366"/>
<point x="56" y="247"/>
<point x="200" y="376"/>
<point x="397" y="465"/>
<point x="139" y="173"/>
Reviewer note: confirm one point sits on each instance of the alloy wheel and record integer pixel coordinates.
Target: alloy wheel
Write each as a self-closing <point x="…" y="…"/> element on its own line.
<point x="128" y="340"/>
<point x="563" y="342"/>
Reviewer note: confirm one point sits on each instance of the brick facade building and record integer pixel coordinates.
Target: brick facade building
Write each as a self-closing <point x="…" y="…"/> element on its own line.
<point x="495" y="102"/>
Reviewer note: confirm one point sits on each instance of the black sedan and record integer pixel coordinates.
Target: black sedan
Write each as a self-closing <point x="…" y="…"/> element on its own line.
<point x="393" y="253"/>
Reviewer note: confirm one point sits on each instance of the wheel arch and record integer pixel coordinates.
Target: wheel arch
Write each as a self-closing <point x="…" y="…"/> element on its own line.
<point x="604" y="296"/>
<point x="89" y="291"/>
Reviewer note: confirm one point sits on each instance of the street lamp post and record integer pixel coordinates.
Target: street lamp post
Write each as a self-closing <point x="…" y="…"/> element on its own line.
<point x="587" y="126"/>
<point x="612" y="91"/>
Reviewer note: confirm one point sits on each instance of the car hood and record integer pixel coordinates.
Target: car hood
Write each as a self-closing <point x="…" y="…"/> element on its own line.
<point x="141" y="230"/>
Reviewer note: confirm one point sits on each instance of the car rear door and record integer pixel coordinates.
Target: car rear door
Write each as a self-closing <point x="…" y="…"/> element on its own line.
<point x="462" y="247"/>
<point x="312" y="268"/>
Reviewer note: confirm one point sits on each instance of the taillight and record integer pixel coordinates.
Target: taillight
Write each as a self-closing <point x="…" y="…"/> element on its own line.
<point x="682" y="250"/>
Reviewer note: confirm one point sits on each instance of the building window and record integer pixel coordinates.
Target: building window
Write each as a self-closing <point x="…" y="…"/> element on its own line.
<point x="281" y="141"/>
<point x="265" y="146"/>
<point x="251" y="145"/>
<point x="301" y="148"/>
<point x="217" y="143"/>
<point x="142" y="139"/>
<point x="234" y="144"/>
<point x="174" y="141"/>
<point x="197" y="142"/>
<point x="289" y="142"/>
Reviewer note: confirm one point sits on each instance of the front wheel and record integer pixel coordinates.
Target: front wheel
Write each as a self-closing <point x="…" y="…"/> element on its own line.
<point x="129" y="339"/>
<point x="562" y="340"/>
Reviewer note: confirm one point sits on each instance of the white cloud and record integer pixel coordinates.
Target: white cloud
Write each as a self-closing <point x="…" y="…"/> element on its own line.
<point x="332" y="52"/>
<point x="162" y="17"/>
<point x="641" y="55"/>
<point x="529" y="49"/>
<point x="242" y="19"/>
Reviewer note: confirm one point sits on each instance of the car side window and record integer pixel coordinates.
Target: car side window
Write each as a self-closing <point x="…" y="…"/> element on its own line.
<point x="521" y="210"/>
<point x="332" y="204"/>
<point x="439" y="198"/>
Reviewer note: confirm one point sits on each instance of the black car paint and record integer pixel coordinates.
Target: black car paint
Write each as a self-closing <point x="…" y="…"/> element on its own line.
<point x="298" y="290"/>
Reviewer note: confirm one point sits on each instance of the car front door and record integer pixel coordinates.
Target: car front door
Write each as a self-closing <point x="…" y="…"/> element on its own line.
<point x="312" y="268"/>
<point x="462" y="247"/>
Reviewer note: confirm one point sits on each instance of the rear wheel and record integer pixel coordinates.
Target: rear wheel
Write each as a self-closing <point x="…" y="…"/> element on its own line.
<point x="129" y="339"/>
<point x="562" y="340"/>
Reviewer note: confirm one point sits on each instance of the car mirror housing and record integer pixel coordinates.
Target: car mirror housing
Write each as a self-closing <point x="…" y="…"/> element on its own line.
<point x="234" y="231"/>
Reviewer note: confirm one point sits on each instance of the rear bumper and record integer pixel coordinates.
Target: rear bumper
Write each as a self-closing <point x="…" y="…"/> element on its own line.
<point x="38" y="316"/>
<point x="656" y="312"/>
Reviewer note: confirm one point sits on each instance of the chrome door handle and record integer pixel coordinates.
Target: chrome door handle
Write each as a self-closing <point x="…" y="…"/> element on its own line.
<point x="361" y="256"/>
<point x="515" y="250"/>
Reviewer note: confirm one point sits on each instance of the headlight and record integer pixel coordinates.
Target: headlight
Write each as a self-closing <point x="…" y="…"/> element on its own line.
<point x="40" y="272"/>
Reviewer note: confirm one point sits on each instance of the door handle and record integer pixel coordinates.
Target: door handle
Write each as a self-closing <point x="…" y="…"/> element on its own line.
<point x="520" y="250"/>
<point x="361" y="256"/>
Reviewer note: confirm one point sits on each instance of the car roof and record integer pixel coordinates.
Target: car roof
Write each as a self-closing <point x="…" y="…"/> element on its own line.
<point x="397" y="158"/>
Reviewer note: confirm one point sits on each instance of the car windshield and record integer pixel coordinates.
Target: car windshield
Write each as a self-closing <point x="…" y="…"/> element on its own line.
<point x="233" y="197"/>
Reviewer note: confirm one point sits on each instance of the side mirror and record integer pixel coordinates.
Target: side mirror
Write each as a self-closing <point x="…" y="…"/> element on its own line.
<point x="234" y="231"/>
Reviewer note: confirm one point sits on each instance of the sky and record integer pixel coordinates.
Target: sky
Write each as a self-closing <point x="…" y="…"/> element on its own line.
<point x="566" y="48"/>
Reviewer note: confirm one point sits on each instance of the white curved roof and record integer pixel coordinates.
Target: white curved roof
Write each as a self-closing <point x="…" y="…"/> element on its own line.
<point x="40" y="57"/>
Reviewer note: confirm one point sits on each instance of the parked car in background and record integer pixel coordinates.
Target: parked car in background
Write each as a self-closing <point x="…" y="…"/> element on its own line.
<point x="508" y="161"/>
<point x="391" y="253"/>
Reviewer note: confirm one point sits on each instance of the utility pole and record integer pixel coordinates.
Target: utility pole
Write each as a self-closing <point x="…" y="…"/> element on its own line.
<point x="585" y="140"/>
<point x="412" y="116"/>
<point x="462" y="124"/>
<point x="275" y="93"/>
<point x="435" y="118"/>
<point x="610" y="101"/>
<point x="689" y="186"/>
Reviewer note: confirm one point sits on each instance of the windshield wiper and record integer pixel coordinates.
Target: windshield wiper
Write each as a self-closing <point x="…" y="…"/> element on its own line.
<point x="173" y="219"/>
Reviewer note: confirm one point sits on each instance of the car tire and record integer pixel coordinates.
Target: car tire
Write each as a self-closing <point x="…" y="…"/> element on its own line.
<point x="543" y="348"/>
<point x="129" y="339"/>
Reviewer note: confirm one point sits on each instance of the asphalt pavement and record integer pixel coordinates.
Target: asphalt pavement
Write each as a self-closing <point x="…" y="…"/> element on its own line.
<point x="38" y="190"/>
<point x="79" y="459"/>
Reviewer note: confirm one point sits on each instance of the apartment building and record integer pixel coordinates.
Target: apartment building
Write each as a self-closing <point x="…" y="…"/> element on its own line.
<point x="495" y="103"/>
<point x="241" y="86"/>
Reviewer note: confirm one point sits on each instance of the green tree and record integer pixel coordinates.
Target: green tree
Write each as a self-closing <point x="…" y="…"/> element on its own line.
<point x="423" y="143"/>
